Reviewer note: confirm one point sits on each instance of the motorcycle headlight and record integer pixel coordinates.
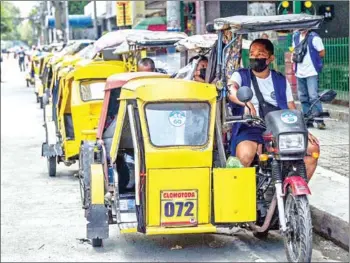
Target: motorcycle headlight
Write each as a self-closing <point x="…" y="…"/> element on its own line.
<point x="291" y="142"/>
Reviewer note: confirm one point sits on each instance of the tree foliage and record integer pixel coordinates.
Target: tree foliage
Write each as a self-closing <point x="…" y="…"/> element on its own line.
<point x="77" y="7"/>
<point x="10" y="19"/>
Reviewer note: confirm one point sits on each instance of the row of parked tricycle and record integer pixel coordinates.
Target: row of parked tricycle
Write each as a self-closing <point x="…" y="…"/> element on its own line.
<point x="152" y="147"/>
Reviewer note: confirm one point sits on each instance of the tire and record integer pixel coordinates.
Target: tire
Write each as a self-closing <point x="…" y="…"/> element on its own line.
<point x="298" y="239"/>
<point x="37" y="98"/>
<point x="27" y="83"/>
<point x="41" y="103"/>
<point x="51" y="166"/>
<point x="96" y="242"/>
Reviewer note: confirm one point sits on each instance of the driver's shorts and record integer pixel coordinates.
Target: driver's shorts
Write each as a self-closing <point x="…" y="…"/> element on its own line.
<point x="246" y="133"/>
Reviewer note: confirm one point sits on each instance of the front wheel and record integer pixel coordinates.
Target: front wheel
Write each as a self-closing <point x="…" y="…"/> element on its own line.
<point x="298" y="239"/>
<point x="51" y="166"/>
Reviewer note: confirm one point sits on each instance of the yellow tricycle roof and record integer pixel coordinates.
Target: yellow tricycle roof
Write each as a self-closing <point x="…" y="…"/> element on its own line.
<point x="169" y="89"/>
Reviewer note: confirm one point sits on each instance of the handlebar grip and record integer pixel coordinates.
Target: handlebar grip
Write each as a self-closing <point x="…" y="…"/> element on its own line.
<point x="234" y="118"/>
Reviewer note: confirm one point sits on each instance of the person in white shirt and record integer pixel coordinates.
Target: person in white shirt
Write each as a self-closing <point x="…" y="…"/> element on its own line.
<point x="307" y="72"/>
<point x="246" y="140"/>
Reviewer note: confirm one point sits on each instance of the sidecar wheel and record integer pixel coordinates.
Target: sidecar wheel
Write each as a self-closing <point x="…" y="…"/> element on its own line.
<point x="51" y="166"/>
<point x="96" y="242"/>
<point x="298" y="239"/>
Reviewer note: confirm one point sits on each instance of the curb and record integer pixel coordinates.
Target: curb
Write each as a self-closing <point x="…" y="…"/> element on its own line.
<point x="340" y="115"/>
<point x="336" y="114"/>
<point x="330" y="227"/>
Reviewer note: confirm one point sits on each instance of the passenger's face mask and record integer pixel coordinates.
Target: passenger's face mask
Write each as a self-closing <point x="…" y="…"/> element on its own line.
<point x="258" y="64"/>
<point x="202" y="72"/>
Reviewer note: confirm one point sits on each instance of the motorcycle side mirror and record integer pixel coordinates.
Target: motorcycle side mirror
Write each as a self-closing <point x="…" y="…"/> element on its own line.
<point x="210" y="27"/>
<point x="244" y="94"/>
<point x="327" y="95"/>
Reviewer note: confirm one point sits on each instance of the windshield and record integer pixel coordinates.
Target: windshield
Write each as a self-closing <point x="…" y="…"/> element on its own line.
<point x="178" y="124"/>
<point x="92" y="90"/>
<point x="171" y="63"/>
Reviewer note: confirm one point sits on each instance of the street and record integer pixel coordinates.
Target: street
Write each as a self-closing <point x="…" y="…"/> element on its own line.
<point x="42" y="219"/>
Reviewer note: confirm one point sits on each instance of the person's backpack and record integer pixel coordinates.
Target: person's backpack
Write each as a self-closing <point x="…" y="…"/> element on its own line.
<point x="300" y="50"/>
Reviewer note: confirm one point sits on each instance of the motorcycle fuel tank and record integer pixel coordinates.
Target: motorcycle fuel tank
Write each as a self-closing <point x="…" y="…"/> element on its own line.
<point x="285" y="121"/>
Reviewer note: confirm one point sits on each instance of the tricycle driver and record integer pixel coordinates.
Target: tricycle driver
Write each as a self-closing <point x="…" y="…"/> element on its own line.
<point x="270" y="88"/>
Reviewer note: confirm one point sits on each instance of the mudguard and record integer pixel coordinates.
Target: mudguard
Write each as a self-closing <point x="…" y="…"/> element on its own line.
<point x="51" y="150"/>
<point x="96" y="212"/>
<point x="297" y="184"/>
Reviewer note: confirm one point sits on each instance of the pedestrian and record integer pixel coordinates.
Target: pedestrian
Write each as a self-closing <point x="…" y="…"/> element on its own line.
<point x="307" y="56"/>
<point x="21" y="59"/>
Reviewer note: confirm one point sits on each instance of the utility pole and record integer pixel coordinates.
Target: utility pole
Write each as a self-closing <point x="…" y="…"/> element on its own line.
<point x="58" y="18"/>
<point x="95" y="20"/>
<point x="200" y="17"/>
<point x="67" y="21"/>
<point x="44" y="13"/>
<point x="173" y="16"/>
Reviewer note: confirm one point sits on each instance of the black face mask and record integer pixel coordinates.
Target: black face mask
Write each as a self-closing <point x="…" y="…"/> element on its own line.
<point x="258" y="64"/>
<point x="202" y="72"/>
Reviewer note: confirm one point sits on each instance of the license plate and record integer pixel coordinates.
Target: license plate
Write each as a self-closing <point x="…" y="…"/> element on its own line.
<point x="179" y="208"/>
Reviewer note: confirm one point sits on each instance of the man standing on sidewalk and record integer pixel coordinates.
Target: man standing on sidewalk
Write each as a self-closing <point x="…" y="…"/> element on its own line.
<point x="307" y="69"/>
<point x="21" y="57"/>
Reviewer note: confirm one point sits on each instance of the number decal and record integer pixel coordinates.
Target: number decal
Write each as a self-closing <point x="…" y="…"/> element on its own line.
<point x="169" y="209"/>
<point x="181" y="205"/>
<point x="190" y="206"/>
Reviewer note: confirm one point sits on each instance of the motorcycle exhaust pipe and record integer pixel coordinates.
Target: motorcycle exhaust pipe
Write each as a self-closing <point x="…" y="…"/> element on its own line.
<point x="268" y="217"/>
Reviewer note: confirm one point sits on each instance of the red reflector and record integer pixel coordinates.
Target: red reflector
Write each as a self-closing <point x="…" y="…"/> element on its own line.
<point x="267" y="137"/>
<point x="142" y="174"/>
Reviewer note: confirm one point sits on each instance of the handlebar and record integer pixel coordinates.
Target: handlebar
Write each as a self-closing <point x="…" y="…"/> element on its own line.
<point x="247" y="119"/>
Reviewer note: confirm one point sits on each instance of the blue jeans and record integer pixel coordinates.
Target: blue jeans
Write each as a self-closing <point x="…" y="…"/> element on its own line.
<point x="308" y="94"/>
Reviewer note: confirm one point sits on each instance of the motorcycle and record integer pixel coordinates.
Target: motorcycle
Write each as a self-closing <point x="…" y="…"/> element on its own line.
<point x="281" y="175"/>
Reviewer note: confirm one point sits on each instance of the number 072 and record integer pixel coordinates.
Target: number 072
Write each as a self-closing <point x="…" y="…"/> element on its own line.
<point x="178" y="209"/>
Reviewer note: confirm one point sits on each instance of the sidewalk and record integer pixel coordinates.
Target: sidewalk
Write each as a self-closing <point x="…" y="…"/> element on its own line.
<point x="336" y="111"/>
<point x="330" y="206"/>
<point x="330" y="184"/>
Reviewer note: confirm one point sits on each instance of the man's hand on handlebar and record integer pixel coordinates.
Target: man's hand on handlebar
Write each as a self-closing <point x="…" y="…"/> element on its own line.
<point x="252" y="110"/>
<point x="313" y="139"/>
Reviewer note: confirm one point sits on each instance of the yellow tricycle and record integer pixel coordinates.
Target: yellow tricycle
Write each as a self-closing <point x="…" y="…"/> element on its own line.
<point x="164" y="171"/>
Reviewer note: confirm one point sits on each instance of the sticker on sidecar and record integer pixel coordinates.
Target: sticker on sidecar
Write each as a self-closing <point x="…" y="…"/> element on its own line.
<point x="289" y="117"/>
<point x="177" y="118"/>
<point x="179" y="208"/>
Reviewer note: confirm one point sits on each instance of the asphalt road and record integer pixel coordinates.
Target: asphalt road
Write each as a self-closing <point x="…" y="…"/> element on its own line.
<point x="41" y="217"/>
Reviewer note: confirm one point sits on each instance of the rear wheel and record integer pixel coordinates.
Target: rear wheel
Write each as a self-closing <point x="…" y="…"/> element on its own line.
<point x="41" y="102"/>
<point x="96" y="242"/>
<point x="37" y="98"/>
<point x="51" y="166"/>
<point x="298" y="239"/>
<point x="27" y="83"/>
